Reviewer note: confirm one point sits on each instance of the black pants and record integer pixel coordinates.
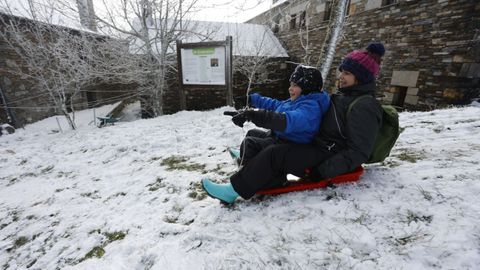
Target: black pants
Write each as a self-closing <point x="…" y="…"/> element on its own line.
<point x="254" y="142"/>
<point x="271" y="165"/>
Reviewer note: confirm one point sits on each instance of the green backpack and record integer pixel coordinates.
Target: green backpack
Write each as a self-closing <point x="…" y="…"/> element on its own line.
<point x="387" y="134"/>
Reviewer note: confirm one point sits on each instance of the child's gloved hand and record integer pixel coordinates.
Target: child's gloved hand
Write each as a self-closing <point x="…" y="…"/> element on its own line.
<point x="240" y="118"/>
<point x="230" y="113"/>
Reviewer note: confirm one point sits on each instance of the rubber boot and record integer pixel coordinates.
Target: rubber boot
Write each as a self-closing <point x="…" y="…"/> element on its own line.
<point x="224" y="192"/>
<point x="234" y="153"/>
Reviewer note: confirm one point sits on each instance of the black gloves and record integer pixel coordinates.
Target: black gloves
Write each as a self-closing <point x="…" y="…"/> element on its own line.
<point x="238" y="117"/>
<point x="230" y="113"/>
<point x="312" y="174"/>
<point x="261" y="118"/>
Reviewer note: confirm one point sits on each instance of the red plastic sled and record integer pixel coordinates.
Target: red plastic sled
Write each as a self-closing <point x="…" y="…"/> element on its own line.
<point x="307" y="184"/>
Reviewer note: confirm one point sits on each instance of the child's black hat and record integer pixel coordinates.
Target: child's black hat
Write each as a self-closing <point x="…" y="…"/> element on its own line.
<point x="308" y="78"/>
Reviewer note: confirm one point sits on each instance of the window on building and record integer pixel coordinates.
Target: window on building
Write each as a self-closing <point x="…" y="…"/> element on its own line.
<point x="388" y="2"/>
<point x="276" y="23"/>
<point x="303" y="19"/>
<point x="328" y="11"/>
<point x="399" y="94"/>
<point x="293" y="21"/>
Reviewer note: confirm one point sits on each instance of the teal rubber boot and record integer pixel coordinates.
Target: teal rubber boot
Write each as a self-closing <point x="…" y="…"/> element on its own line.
<point x="223" y="192"/>
<point x="235" y="154"/>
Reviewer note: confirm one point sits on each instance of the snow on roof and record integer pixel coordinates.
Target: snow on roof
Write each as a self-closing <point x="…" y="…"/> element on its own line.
<point x="46" y="11"/>
<point x="248" y="39"/>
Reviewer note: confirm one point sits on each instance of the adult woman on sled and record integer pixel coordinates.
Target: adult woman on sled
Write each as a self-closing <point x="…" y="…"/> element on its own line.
<point x="341" y="145"/>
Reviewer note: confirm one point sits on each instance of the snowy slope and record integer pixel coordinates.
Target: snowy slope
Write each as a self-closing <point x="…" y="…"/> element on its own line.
<point x="127" y="197"/>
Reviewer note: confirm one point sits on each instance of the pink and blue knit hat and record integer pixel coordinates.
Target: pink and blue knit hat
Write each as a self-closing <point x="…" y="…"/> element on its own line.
<point x="364" y="64"/>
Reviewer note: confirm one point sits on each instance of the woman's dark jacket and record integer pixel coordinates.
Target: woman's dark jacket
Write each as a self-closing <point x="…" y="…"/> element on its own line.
<point x="350" y="139"/>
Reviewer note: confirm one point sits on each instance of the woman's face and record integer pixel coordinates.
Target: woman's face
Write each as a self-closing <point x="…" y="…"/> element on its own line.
<point x="294" y="90"/>
<point x="346" y="79"/>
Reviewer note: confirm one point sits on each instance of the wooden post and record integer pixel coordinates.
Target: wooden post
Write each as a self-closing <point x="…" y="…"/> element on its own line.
<point x="229" y="70"/>
<point x="181" y="91"/>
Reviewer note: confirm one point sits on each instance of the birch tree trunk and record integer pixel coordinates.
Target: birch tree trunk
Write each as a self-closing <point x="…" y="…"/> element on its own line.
<point x="335" y="32"/>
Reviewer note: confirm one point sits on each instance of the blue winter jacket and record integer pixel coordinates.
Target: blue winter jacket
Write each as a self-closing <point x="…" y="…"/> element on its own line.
<point x="303" y="115"/>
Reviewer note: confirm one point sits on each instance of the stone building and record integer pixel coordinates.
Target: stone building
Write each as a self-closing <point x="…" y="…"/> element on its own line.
<point x="23" y="101"/>
<point x="433" y="46"/>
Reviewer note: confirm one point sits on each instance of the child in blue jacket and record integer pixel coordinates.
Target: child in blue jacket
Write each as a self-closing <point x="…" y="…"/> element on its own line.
<point x="295" y="120"/>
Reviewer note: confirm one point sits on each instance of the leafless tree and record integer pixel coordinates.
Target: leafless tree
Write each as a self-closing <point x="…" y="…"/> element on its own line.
<point x="252" y="60"/>
<point x="60" y="61"/>
<point x="151" y="27"/>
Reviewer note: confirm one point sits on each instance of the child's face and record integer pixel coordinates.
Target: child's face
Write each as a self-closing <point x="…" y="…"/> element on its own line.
<point x="346" y="79"/>
<point x="294" y="90"/>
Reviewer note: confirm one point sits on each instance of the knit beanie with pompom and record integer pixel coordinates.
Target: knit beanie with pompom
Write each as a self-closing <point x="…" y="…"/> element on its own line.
<point x="364" y="64"/>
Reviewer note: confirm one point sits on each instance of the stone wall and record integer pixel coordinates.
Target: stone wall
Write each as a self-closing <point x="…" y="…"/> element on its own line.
<point x="433" y="47"/>
<point x="28" y="102"/>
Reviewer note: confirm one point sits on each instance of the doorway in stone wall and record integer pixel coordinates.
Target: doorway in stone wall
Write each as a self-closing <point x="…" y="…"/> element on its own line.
<point x="399" y="94"/>
<point x="91" y="99"/>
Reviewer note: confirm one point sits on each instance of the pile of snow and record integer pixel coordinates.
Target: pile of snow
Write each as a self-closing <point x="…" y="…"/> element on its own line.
<point x="127" y="196"/>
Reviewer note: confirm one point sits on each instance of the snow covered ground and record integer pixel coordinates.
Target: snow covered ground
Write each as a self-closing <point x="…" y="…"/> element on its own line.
<point x="128" y="197"/>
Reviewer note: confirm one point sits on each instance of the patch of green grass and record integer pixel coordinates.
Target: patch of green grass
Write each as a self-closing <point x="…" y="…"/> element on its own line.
<point x="466" y="121"/>
<point x="409" y="156"/>
<point x="218" y="170"/>
<point x="156" y="185"/>
<point x="12" y="181"/>
<point x="95" y="252"/>
<point x="28" y="175"/>
<point x="95" y="231"/>
<point x="173" y="161"/>
<point x="20" y="241"/>
<point x="99" y="251"/>
<point x="197" y="193"/>
<point x="413" y="217"/>
<point x="15" y="216"/>
<point x="93" y="195"/>
<point x="410" y="238"/>
<point x="181" y="163"/>
<point x="170" y="219"/>
<point x="361" y="219"/>
<point x="335" y="195"/>
<point x="427" y="195"/>
<point x="65" y="174"/>
<point x="47" y="169"/>
<point x="390" y="163"/>
<point x="115" y="236"/>
<point x="427" y="122"/>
